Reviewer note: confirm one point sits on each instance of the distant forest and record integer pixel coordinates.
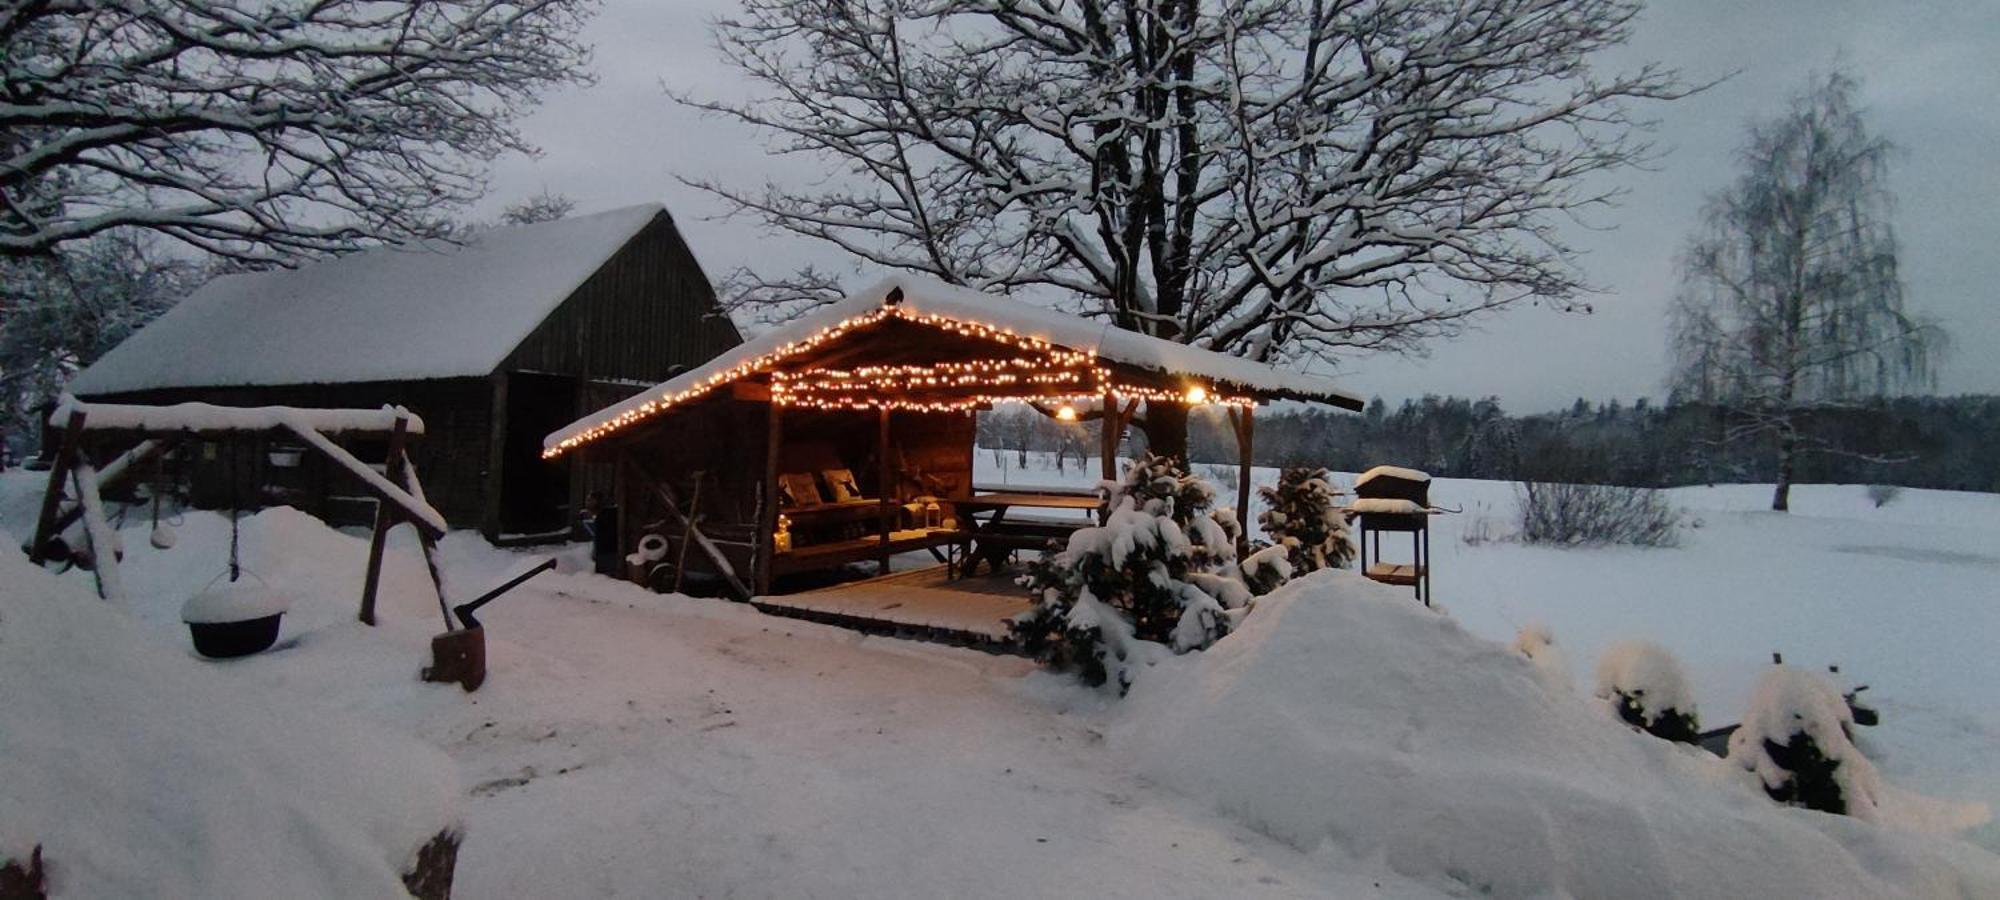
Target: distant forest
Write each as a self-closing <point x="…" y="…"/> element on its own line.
<point x="1930" y="442"/>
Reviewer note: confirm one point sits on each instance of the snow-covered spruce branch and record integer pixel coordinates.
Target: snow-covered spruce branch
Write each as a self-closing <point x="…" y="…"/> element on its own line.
<point x="265" y="131"/>
<point x="1272" y="179"/>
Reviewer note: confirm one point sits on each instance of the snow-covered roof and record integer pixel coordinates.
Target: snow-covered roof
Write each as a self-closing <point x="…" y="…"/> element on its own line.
<point x="387" y="314"/>
<point x="923" y="298"/>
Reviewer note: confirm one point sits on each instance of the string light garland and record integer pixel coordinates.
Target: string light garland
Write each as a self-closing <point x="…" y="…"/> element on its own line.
<point x="1060" y="374"/>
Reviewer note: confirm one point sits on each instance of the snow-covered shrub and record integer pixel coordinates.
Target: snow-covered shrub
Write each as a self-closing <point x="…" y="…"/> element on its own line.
<point x="1883" y="494"/>
<point x="1646" y="686"/>
<point x="1536" y="642"/>
<point x="1557" y="513"/>
<point x="1302" y="515"/>
<point x="1797" y="736"/>
<point x="1157" y="576"/>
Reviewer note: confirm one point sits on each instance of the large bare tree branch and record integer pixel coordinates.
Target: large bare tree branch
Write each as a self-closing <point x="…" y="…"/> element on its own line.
<point x="1270" y="178"/>
<point x="265" y="131"/>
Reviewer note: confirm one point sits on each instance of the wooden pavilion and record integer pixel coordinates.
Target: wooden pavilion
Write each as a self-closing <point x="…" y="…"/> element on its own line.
<point x="848" y="435"/>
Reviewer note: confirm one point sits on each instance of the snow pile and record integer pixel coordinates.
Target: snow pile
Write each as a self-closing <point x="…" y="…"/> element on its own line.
<point x="1647" y="688"/>
<point x="142" y="772"/>
<point x="239" y="601"/>
<point x="1536" y="642"/>
<point x="1360" y="727"/>
<point x="1797" y="737"/>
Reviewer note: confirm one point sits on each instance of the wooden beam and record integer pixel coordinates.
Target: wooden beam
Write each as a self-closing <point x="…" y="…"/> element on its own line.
<point x="665" y="493"/>
<point x="66" y="454"/>
<point x="116" y="471"/>
<point x="413" y="511"/>
<point x="385" y="519"/>
<point x="883" y="485"/>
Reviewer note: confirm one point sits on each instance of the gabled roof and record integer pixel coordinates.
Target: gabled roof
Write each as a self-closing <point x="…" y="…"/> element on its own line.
<point x="387" y="314"/>
<point x="924" y="298"/>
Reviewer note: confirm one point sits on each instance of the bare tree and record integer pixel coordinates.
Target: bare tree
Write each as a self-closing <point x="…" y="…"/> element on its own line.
<point x="542" y="207"/>
<point x="1270" y="178"/>
<point x="64" y="310"/>
<point x="1791" y="302"/>
<point x="263" y="131"/>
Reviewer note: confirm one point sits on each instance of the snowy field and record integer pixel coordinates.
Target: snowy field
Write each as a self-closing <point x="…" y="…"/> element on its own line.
<point x="1904" y="598"/>
<point x="631" y="744"/>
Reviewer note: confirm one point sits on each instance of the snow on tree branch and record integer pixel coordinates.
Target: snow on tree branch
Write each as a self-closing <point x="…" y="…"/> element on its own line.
<point x="265" y="131"/>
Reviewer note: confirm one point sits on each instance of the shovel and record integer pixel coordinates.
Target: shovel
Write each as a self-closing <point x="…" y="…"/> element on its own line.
<point x="460" y="654"/>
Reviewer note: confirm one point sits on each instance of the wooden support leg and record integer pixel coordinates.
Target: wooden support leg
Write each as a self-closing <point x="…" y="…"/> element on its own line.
<point x="882" y="486"/>
<point x="66" y="455"/>
<point x="385" y="519"/>
<point x="97" y="530"/>
<point x="401" y="466"/>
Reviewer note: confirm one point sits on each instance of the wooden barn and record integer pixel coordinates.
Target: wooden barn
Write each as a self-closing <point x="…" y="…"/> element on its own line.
<point x="848" y="435"/>
<point x="493" y="343"/>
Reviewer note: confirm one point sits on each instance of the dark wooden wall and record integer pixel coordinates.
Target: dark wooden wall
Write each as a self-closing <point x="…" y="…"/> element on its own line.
<point x="646" y="313"/>
<point x="451" y="457"/>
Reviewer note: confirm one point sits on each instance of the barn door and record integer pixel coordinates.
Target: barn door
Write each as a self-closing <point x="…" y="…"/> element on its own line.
<point x="534" y="492"/>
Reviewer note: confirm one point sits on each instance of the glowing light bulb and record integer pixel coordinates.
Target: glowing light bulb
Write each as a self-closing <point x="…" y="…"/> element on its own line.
<point x="1066" y="413"/>
<point x="1197" y="394"/>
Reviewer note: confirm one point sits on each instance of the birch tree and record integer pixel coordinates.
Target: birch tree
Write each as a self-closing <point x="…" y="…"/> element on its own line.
<point x="264" y="130"/>
<point x="1791" y="302"/>
<point x="1276" y="179"/>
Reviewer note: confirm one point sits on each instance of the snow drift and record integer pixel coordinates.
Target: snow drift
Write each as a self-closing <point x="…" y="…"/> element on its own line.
<point x="143" y="772"/>
<point x="1348" y="722"/>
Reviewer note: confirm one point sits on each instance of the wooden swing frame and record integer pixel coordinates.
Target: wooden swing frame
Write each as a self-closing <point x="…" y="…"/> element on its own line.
<point x="91" y="430"/>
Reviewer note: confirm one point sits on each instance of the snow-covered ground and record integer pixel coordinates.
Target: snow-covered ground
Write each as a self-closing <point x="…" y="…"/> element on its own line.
<point x="628" y="743"/>
<point x="1901" y="597"/>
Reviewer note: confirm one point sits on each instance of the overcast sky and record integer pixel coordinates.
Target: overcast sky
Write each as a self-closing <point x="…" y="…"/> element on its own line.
<point x="1930" y="84"/>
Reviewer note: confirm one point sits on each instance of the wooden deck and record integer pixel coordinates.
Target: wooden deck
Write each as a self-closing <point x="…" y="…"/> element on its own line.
<point x="925" y="604"/>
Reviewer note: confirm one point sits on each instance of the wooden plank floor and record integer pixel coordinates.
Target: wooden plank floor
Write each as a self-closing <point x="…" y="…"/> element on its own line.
<point x="922" y="603"/>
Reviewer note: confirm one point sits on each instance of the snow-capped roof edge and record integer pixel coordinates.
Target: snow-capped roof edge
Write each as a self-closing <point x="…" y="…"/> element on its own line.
<point x="923" y="297"/>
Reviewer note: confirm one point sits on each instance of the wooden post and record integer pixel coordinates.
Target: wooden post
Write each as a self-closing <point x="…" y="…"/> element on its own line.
<point x="52" y="498"/>
<point x="496" y="458"/>
<point x="1109" y="424"/>
<point x="403" y="472"/>
<point x="882" y="485"/>
<point x="767" y="527"/>
<point x="623" y="496"/>
<point x="385" y="519"/>
<point x="1243" y="425"/>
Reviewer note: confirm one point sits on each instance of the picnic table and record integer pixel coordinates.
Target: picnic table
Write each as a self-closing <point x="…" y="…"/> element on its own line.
<point x="997" y="535"/>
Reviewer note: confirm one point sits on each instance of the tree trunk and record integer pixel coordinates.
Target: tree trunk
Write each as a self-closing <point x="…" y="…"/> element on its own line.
<point x="1166" y="426"/>
<point x="1781" y="499"/>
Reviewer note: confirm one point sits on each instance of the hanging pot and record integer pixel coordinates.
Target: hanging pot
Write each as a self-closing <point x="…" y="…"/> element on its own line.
<point x="234" y="619"/>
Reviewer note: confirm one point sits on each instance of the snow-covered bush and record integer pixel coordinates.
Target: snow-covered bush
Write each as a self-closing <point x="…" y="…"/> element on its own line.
<point x="1646" y="686"/>
<point x="1797" y="736"/>
<point x="1556" y="513"/>
<point x="1158" y="576"/>
<point x="1536" y="642"/>
<point x="1302" y="515"/>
